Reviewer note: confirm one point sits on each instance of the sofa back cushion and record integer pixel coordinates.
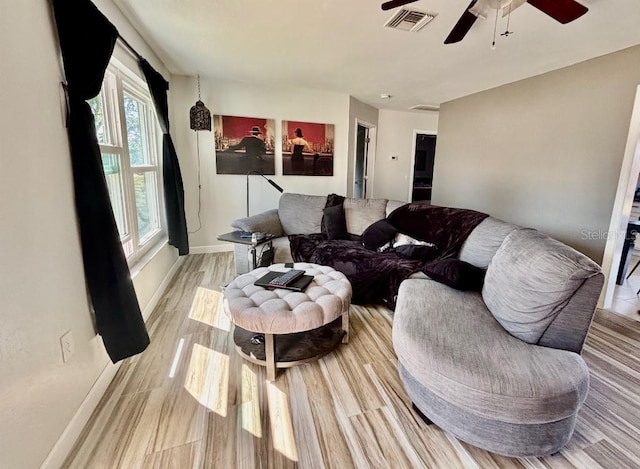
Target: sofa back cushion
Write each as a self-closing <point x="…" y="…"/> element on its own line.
<point x="360" y="213"/>
<point x="392" y="205"/>
<point x="483" y="242"/>
<point x="531" y="278"/>
<point x="301" y="213"/>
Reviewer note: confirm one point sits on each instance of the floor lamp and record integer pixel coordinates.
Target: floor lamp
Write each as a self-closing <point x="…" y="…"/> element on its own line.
<point x="265" y="177"/>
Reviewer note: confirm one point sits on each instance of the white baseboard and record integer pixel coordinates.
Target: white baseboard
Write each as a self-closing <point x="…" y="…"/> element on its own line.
<point x="157" y="296"/>
<point x="213" y="248"/>
<point x="65" y="443"/>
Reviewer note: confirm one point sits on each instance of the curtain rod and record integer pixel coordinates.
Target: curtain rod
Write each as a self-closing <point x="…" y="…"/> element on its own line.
<point x="130" y="47"/>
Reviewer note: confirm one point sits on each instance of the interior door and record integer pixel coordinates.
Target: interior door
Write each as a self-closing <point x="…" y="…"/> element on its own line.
<point x="362" y="146"/>
<point x="425" y="154"/>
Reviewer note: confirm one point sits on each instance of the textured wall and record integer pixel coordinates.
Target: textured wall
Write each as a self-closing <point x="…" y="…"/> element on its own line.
<point x="544" y="152"/>
<point x="42" y="289"/>
<point x="396" y="138"/>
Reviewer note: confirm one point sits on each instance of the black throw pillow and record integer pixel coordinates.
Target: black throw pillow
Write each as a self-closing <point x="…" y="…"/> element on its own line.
<point x="417" y="252"/>
<point x="456" y="274"/>
<point x="332" y="200"/>
<point x="335" y="223"/>
<point x="378" y="234"/>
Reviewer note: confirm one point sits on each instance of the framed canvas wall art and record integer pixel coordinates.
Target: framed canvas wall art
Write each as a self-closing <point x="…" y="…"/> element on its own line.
<point x="307" y="148"/>
<point x="244" y="144"/>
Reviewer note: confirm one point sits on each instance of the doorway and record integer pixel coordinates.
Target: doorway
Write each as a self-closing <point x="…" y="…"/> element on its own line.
<point x="363" y="141"/>
<point x="424" y="154"/>
<point x="621" y="290"/>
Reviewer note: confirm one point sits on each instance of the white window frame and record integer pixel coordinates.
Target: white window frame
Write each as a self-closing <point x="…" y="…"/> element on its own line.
<point x="118" y="81"/>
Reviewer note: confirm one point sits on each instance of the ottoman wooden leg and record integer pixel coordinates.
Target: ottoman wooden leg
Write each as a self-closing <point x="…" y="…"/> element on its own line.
<point x="345" y="326"/>
<point x="270" y="356"/>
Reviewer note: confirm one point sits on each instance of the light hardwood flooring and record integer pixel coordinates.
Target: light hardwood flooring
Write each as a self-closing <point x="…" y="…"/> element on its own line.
<point x="190" y="401"/>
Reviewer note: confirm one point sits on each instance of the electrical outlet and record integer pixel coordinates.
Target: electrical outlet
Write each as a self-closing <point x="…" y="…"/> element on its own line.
<point x="67" y="345"/>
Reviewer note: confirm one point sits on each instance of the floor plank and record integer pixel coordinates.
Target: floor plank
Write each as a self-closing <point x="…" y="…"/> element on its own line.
<point x="190" y="401"/>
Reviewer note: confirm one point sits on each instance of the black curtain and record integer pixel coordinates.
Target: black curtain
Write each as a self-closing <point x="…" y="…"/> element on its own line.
<point x="171" y="175"/>
<point x="87" y="40"/>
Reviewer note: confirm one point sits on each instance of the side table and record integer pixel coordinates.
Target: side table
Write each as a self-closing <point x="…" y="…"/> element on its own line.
<point x="240" y="237"/>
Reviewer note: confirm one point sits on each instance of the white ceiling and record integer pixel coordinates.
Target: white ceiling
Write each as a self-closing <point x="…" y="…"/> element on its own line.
<point x="342" y="46"/>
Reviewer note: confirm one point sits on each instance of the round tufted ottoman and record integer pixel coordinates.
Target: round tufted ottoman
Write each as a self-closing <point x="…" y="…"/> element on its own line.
<point x="307" y="325"/>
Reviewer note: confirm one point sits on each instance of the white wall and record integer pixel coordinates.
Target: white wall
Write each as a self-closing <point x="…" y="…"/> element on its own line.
<point x="395" y="138"/>
<point x="544" y="152"/>
<point x="224" y="196"/>
<point x="359" y="111"/>
<point x="42" y="289"/>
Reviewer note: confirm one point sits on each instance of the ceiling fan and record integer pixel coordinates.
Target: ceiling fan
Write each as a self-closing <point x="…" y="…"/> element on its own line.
<point x="395" y="4"/>
<point x="563" y="11"/>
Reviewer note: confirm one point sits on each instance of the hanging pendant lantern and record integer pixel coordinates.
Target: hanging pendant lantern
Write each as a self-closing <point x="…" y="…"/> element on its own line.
<point x="199" y="115"/>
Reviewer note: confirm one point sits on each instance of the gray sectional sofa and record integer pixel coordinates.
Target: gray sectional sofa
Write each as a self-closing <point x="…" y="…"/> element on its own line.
<point x="302" y="214"/>
<point x="501" y="368"/>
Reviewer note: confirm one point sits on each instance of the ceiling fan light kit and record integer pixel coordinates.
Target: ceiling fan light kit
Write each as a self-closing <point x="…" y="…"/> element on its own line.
<point x="563" y="11"/>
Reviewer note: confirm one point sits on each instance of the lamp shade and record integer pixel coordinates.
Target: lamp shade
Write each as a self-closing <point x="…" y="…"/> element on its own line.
<point x="200" y="117"/>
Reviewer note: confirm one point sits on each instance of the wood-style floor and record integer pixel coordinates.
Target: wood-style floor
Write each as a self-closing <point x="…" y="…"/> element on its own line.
<point x="190" y="401"/>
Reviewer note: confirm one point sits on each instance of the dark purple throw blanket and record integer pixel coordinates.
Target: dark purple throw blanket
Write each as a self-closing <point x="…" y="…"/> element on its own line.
<point x="445" y="227"/>
<point x="375" y="277"/>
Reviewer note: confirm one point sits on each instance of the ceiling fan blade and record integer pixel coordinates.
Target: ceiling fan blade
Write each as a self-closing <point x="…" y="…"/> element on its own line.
<point x="463" y="26"/>
<point x="395" y="4"/>
<point x="563" y="11"/>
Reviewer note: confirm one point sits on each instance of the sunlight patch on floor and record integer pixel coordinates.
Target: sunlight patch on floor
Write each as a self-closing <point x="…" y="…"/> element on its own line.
<point x="280" y="421"/>
<point x="207" y="308"/>
<point x="250" y="402"/>
<point x="221" y="320"/>
<point x="207" y="378"/>
<point x="176" y="358"/>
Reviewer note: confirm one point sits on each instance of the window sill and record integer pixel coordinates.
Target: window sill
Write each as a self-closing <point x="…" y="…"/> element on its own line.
<point x="147" y="257"/>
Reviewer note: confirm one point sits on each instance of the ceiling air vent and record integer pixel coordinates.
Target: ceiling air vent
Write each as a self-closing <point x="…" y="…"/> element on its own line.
<point x="410" y="20"/>
<point x="425" y="107"/>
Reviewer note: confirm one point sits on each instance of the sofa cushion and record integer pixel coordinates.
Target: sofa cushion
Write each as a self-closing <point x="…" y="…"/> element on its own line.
<point x="483" y="242"/>
<point x="392" y="205"/>
<point x="378" y="234"/>
<point x="448" y="341"/>
<point x="360" y="213"/>
<point x="300" y="213"/>
<point x="456" y="274"/>
<point x="266" y="222"/>
<point x="335" y="225"/>
<point x="332" y="200"/>
<point x="531" y="279"/>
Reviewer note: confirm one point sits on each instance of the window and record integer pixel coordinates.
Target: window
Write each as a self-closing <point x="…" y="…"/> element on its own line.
<point x="127" y="131"/>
